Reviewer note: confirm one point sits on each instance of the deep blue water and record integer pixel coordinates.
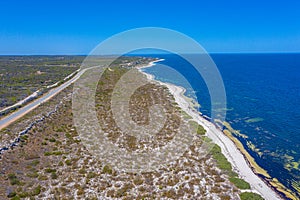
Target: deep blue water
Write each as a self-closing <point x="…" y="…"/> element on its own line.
<point x="261" y="87"/>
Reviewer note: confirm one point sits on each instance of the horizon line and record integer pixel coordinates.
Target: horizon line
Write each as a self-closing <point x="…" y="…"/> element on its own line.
<point x="153" y="53"/>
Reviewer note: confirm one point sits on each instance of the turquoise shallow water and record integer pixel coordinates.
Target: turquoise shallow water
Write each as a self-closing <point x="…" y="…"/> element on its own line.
<point x="263" y="102"/>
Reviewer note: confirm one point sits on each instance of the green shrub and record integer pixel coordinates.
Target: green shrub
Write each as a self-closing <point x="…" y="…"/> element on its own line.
<point x="11" y="194"/>
<point x="56" y="153"/>
<point x="54" y="175"/>
<point x="206" y="139"/>
<point x="43" y="178"/>
<point x="91" y="175"/>
<point x="23" y="194"/>
<point x="24" y="137"/>
<point x="239" y="183"/>
<point x="68" y="135"/>
<point x="36" y="191"/>
<point x="232" y="174"/>
<point x="13" y="179"/>
<point x="60" y="163"/>
<point x="16" y="198"/>
<point x="107" y="170"/>
<point x="48" y="170"/>
<point x="82" y="171"/>
<point x="32" y="174"/>
<point x="201" y="130"/>
<point x="68" y="162"/>
<point x="47" y="154"/>
<point x="250" y="196"/>
<point x="34" y="162"/>
<point x="222" y="162"/>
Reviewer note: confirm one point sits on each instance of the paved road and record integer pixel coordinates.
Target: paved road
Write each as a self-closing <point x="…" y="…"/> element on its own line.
<point x="4" y="122"/>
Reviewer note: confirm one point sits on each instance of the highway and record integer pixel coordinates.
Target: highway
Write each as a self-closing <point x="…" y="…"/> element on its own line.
<point x="4" y="122"/>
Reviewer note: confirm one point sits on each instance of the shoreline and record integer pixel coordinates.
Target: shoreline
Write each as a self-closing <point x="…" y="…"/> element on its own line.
<point x="240" y="164"/>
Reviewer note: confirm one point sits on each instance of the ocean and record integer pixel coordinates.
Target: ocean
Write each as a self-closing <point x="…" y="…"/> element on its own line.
<point x="263" y="103"/>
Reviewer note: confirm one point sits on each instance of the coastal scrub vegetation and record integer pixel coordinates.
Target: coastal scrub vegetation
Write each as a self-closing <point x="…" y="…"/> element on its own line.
<point x="13" y="179"/>
<point x="199" y="128"/>
<point x="250" y="196"/>
<point x="225" y="165"/>
<point x="221" y="160"/>
<point x="240" y="183"/>
<point x="54" y="163"/>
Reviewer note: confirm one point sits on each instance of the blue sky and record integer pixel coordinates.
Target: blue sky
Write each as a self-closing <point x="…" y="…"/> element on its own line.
<point x="76" y="27"/>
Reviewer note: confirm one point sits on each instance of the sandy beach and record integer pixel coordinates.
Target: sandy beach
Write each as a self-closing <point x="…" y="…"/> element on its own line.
<point x="229" y="149"/>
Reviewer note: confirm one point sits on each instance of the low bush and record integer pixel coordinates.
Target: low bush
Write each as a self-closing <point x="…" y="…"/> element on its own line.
<point x="48" y="170"/>
<point x="201" y="130"/>
<point x="250" y="196"/>
<point x="13" y="179"/>
<point x="239" y="183"/>
<point x="222" y="162"/>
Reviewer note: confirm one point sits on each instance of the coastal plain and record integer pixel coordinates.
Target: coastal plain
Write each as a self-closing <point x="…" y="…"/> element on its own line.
<point x="51" y="161"/>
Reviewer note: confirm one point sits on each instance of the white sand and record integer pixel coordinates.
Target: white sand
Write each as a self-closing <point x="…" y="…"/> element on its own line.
<point x="229" y="149"/>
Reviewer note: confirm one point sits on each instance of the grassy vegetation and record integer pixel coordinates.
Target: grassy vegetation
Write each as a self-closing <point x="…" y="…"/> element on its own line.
<point x="49" y="170"/>
<point x="250" y="196"/>
<point x="224" y="165"/>
<point x="200" y="129"/>
<point x="21" y="194"/>
<point x="221" y="160"/>
<point x="56" y="153"/>
<point x="240" y="183"/>
<point x="36" y="191"/>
